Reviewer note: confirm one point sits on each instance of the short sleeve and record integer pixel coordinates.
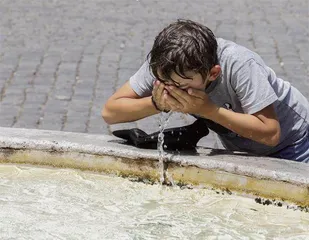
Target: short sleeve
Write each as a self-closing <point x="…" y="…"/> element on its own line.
<point x="142" y="81"/>
<point x="252" y="87"/>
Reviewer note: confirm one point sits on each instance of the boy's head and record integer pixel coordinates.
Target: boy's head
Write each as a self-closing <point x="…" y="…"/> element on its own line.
<point x="185" y="51"/>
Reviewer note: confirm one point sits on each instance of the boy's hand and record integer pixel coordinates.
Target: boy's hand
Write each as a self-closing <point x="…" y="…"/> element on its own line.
<point x="158" y="94"/>
<point x="191" y="101"/>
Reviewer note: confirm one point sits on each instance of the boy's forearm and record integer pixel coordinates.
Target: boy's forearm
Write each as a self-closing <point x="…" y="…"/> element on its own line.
<point x="128" y="110"/>
<point x="245" y="125"/>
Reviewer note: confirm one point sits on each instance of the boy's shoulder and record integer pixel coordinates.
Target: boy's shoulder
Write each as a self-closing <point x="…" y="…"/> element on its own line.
<point x="234" y="56"/>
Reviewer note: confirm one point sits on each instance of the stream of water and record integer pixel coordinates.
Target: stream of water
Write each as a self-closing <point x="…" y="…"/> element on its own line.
<point x="163" y="122"/>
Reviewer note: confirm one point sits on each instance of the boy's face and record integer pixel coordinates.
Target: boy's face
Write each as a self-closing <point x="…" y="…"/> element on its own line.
<point x="194" y="81"/>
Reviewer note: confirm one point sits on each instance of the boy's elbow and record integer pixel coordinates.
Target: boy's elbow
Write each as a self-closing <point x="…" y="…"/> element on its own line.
<point x="274" y="139"/>
<point x="107" y="116"/>
<point x="273" y="142"/>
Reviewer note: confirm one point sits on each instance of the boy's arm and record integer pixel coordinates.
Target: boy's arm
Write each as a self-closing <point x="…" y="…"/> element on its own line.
<point x="256" y="95"/>
<point x="126" y="106"/>
<point x="262" y="127"/>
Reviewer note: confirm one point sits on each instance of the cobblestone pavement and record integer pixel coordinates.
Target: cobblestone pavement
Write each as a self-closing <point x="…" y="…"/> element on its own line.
<point x="61" y="60"/>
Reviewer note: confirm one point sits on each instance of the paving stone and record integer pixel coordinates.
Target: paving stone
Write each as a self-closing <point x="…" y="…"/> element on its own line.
<point x="69" y="57"/>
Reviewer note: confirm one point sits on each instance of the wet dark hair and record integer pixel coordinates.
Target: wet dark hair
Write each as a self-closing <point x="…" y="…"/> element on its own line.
<point x="183" y="46"/>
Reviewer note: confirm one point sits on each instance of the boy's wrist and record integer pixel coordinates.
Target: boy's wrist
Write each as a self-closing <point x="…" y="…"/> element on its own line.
<point x="156" y="106"/>
<point x="210" y="112"/>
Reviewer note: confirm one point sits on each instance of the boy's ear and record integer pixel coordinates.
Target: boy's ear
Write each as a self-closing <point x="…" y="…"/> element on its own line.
<point x="214" y="72"/>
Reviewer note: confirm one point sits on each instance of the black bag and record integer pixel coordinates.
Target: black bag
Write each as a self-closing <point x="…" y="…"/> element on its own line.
<point x="178" y="138"/>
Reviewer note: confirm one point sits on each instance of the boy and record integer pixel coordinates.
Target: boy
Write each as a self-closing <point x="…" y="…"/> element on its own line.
<point x="189" y="70"/>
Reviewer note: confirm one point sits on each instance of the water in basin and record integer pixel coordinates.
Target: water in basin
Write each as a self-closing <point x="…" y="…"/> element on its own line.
<point x="47" y="203"/>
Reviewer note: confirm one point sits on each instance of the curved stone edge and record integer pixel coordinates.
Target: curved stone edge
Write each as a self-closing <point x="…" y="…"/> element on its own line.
<point x="257" y="176"/>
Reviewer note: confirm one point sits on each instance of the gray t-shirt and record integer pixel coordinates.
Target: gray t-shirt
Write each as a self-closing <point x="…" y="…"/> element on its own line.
<point x="246" y="85"/>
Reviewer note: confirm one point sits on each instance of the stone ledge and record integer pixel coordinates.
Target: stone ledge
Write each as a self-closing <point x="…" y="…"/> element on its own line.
<point x="237" y="172"/>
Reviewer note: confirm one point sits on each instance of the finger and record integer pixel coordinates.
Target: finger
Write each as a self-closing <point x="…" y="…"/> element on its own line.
<point x="196" y="93"/>
<point x="179" y="94"/>
<point x="174" y="108"/>
<point x="156" y="85"/>
<point x="170" y="100"/>
<point x="159" y="92"/>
